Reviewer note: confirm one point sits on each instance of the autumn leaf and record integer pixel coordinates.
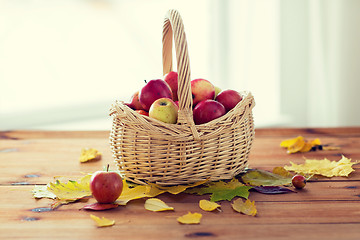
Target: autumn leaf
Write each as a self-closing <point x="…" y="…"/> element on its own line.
<point x="272" y="189"/>
<point x="156" y="205"/>
<point x="102" y="222"/>
<point x="282" y="172"/>
<point x="130" y="193"/>
<point x="325" y="167"/>
<point x="72" y="190"/>
<point x="41" y="191"/>
<point x="299" y="144"/>
<point x="246" y="207"/>
<point x="174" y="189"/>
<point x="190" y="218"/>
<point x="208" y="205"/>
<point x="100" y="206"/>
<point x="257" y="177"/>
<point x="89" y="154"/>
<point x="221" y="190"/>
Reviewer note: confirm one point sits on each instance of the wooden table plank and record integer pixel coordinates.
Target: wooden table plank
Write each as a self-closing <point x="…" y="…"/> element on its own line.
<point x="325" y="209"/>
<point x="72" y="223"/>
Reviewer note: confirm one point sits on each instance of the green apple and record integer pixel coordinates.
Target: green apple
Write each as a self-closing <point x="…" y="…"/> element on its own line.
<point x="217" y="91"/>
<point x="165" y="110"/>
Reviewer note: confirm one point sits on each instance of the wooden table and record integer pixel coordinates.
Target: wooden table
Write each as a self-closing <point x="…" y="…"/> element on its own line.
<point x="325" y="209"/>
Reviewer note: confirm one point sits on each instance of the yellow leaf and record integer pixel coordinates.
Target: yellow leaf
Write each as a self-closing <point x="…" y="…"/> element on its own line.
<point x="208" y="206"/>
<point x="282" y="172"/>
<point x="324" y="167"/>
<point x="156" y="205"/>
<point x="289" y="142"/>
<point x="190" y="218"/>
<point x="246" y="207"/>
<point x="176" y="189"/>
<point x="88" y="154"/>
<point x="102" y="222"/>
<point x="71" y="190"/>
<point x="131" y="193"/>
<point x="41" y="191"/>
<point x="299" y="144"/>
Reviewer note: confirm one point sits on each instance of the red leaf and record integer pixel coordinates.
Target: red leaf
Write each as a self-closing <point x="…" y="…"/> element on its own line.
<point x="100" y="206"/>
<point x="272" y="189"/>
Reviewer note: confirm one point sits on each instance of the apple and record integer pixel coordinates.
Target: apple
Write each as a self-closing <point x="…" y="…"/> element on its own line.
<point x="298" y="181"/>
<point x="165" y="110"/>
<point x="217" y="91"/>
<point x="135" y="102"/>
<point x="106" y="186"/>
<point x="171" y="78"/>
<point x="207" y="110"/>
<point x="142" y="112"/>
<point x="229" y="98"/>
<point x="202" y="89"/>
<point x="154" y="89"/>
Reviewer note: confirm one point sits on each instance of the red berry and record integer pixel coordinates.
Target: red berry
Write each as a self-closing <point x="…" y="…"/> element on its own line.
<point x="299" y="181"/>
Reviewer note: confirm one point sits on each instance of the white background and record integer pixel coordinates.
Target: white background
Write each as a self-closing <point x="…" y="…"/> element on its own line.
<point x="64" y="62"/>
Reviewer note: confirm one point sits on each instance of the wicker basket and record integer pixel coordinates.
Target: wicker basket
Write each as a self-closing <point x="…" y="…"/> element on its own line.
<point x="147" y="150"/>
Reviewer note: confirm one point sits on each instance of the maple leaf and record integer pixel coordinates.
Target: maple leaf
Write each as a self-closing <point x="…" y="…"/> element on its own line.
<point x="41" y="191"/>
<point x="102" y="222"/>
<point x="246" y="207"/>
<point x="208" y="205"/>
<point x="190" y="218"/>
<point x="325" y="167"/>
<point x="222" y="190"/>
<point x="89" y="154"/>
<point x="72" y="190"/>
<point x="257" y="177"/>
<point x="156" y="205"/>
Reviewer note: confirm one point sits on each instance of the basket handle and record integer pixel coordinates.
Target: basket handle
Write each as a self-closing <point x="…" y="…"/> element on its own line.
<point x="173" y="27"/>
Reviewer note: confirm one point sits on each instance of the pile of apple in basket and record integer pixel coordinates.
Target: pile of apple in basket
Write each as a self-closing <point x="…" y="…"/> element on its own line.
<point x="158" y="99"/>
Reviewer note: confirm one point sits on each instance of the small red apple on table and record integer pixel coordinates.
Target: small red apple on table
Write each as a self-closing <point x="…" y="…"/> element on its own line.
<point x="165" y="110"/>
<point x="202" y="89"/>
<point x="171" y="78"/>
<point x="229" y="98"/>
<point x="106" y="186"/>
<point x="153" y="90"/>
<point x="207" y="110"/>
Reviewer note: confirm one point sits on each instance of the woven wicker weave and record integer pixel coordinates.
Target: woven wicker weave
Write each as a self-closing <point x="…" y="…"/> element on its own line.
<point x="147" y="150"/>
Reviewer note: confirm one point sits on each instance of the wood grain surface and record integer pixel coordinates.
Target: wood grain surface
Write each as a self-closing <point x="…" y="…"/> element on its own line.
<point x="328" y="208"/>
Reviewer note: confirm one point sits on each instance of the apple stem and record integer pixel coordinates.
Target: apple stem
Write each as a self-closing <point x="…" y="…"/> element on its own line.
<point x="145" y="81"/>
<point x="107" y="168"/>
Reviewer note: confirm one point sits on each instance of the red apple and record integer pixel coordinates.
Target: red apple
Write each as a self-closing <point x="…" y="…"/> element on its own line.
<point x="229" y="98"/>
<point x="142" y="112"/>
<point x="298" y="181"/>
<point x="106" y="186"/>
<point x="153" y="90"/>
<point x="207" y="110"/>
<point x="135" y="102"/>
<point x="165" y="110"/>
<point x="201" y="89"/>
<point x="172" y="79"/>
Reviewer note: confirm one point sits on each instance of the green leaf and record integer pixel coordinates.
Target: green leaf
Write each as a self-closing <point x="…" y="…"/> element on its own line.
<point x="222" y="190"/>
<point x="256" y="177"/>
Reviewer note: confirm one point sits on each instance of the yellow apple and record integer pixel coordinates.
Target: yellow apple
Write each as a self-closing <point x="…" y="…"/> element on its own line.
<point x="165" y="110"/>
